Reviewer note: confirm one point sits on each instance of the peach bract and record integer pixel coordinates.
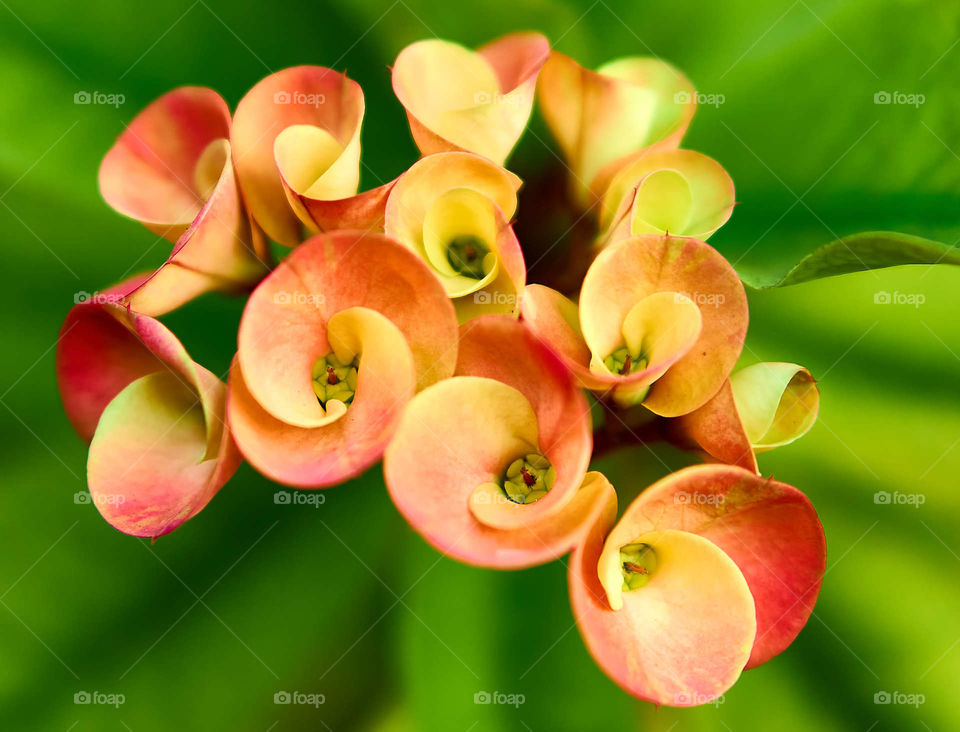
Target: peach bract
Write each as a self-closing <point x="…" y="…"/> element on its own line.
<point x="171" y="169"/>
<point x="159" y="450"/>
<point x="475" y="101"/>
<point x="489" y="466"/>
<point x="599" y="117"/>
<point x="296" y="140"/>
<point x="453" y="210"/>
<point x="331" y="347"/>
<point x="711" y="570"/>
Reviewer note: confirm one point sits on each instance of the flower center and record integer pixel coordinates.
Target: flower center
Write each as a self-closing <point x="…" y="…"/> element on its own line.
<point x="466" y="254"/>
<point x="638" y="562"/>
<point x="528" y="478"/>
<point x="623" y="363"/>
<point x="333" y="379"/>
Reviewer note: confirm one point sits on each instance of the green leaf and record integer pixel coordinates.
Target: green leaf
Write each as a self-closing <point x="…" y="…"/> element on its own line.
<point x="857" y="253"/>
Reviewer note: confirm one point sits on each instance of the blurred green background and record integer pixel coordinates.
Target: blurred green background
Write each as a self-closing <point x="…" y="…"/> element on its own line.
<point x="203" y="628"/>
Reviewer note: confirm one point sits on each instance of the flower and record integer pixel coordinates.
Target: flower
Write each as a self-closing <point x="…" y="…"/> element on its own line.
<point x="296" y="140"/>
<point x="331" y="347"/>
<point x="489" y="466"/>
<point x="661" y="320"/>
<point x="478" y="101"/>
<point x="761" y="407"/>
<point x="453" y="210"/>
<point x="159" y="450"/>
<point x="711" y="570"/>
<point x="171" y="170"/>
<point x="599" y="117"/>
<point x="678" y="192"/>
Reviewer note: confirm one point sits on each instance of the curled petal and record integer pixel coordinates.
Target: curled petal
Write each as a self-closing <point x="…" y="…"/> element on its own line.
<point x="637" y="268"/>
<point x="598" y="117"/>
<point x="777" y="403"/>
<point x="171" y="170"/>
<point x="159" y="449"/>
<point x="681" y="192"/>
<point x="768" y="528"/>
<point x="684" y="637"/>
<point x="296" y="145"/>
<point x="477" y="101"/>
<point x="343" y="442"/>
<point x="511" y="398"/>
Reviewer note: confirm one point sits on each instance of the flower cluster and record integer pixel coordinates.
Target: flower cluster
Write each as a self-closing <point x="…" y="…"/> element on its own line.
<point x="400" y="326"/>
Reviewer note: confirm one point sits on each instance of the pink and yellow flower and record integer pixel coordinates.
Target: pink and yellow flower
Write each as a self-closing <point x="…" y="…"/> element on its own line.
<point x="159" y="449"/>
<point x="600" y="117"/>
<point x="475" y="101"/>
<point x="296" y="140"/>
<point x="171" y="170"/>
<point x="660" y="321"/>
<point x="454" y="210"/>
<point x="677" y="192"/>
<point x="711" y="570"/>
<point x="489" y="466"/>
<point x="760" y="407"/>
<point x="331" y="347"/>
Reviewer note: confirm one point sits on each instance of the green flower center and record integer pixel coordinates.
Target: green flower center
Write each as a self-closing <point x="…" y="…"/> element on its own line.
<point x="528" y="478"/>
<point x="638" y="562"/>
<point x="333" y="379"/>
<point x="623" y="363"/>
<point x="466" y="254"/>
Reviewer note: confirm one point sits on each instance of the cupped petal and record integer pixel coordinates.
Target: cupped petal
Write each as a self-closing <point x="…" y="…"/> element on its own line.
<point x="457" y="437"/>
<point x="504" y="293"/>
<point x="768" y="528"/>
<point x="681" y="192"/>
<point x="598" y="117"/>
<point x="343" y="441"/>
<point x="283" y="330"/>
<point x="125" y="381"/>
<point x="633" y="269"/>
<point x="477" y="101"/>
<point x="151" y="174"/>
<point x="777" y="403"/>
<point x="319" y="159"/>
<point x="684" y="637"/>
